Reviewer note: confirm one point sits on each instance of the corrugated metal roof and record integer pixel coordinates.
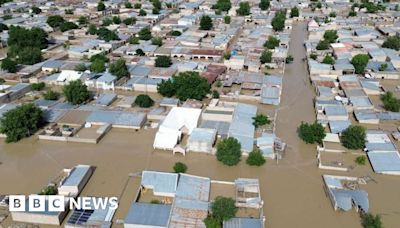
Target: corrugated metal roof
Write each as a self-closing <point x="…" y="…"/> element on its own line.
<point x="160" y="182"/>
<point x="148" y="214"/>
<point x="76" y="176"/>
<point x="383" y="162"/>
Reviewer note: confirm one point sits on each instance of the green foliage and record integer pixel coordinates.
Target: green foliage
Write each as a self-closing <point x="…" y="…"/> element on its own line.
<point x="106" y="35"/>
<point x="354" y="137"/>
<point x="311" y="133"/>
<point x="319" y="5"/>
<point x="55" y="21"/>
<point x="322" y="45"/>
<point x="119" y="69"/>
<point x="29" y="55"/>
<point x="69" y="11"/>
<point x="155" y="11"/>
<point x="383" y="67"/>
<point x="360" y="160"/>
<point x="163" y="61"/>
<point x="227" y="19"/>
<point x="137" y="5"/>
<point x="166" y="88"/>
<point x="49" y="190"/>
<point x="129" y="21"/>
<point x="98" y="66"/>
<point x="101" y="6"/>
<point x="352" y="14"/>
<point x="359" y="62"/>
<point x="215" y="94"/>
<point x="140" y="52"/>
<point x="332" y="14"/>
<point x="92" y="30"/>
<point x="244" y="9"/>
<point x="227" y="55"/>
<point x="223" y="208"/>
<point x="272" y="42"/>
<point x="331" y="36"/>
<point x="116" y="20"/>
<point x="218" y="83"/>
<point x="7" y="17"/>
<point x="68" y="26"/>
<point x="370" y="221"/>
<point x="20" y="122"/>
<point x="128" y="5"/>
<point x="82" y="20"/>
<point x="50" y="95"/>
<point x="3" y="27"/>
<point x="390" y="102"/>
<point x="156" y="4"/>
<point x="255" y="158"/>
<point x="38" y="86"/>
<point x="106" y="21"/>
<point x="145" y="34"/>
<point x="99" y="56"/>
<point x="133" y="40"/>
<point x="176" y="33"/>
<point x="142" y="12"/>
<point x="289" y="59"/>
<point x="212" y="222"/>
<point x="80" y="67"/>
<point x="36" y="10"/>
<point x="260" y="120"/>
<point x="9" y="65"/>
<point x="144" y="101"/>
<point x="294" y="12"/>
<point x="266" y="57"/>
<point x="180" y="167"/>
<point x="264" y="4"/>
<point x="2" y="81"/>
<point x="206" y="23"/>
<point x="392" y="42"/>
<point x="157" y="41"/>
<point x="314" y="56"/>
<point x="223" y="5"/>
<point x="278" y="22"/>
<point x="76" y="92"/>
<point x="328" y="60"/>
<point x="229" y="151"/>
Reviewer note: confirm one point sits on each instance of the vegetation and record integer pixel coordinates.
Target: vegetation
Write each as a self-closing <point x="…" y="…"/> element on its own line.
<point x="255" y="158"/>
<point x="106" y="21"/>
<point x="129" y="21"/>
<point x="266" y="57"/>
<point x="360" y="160"/>
<point x="92" y="30"/>
<point x="212" y="222"/>
<point x="82" y="20"/>
<point x="106" y="35"/>
<point x="49" y="190"/>
<point x="264" y="4"/>
<point x="81" y="67"/>
<point x="145" y="34"/>
<point x="3" y="27"/>
<point x="289" y="59"/>
<point x="244" y="9"/>
<point x="313" y="55"/>
<point x="332" y="14"/>
<point x="144" y="101"/>
<point x="128" y="5"/>
<point x="223" y="5"/>
<point x="98" y="66"/>
<point x="331" y="36"/>
<point x="157" y="41"/>
<point x="359" y="62"/>
<point x="261" y="120"/>
<point x="227" y="19"/>
<point x="133" y="40"/>
<point x="68" y="26"/>
<point x="176" y="33"/>
<point x="36" y="10"/>
<point x="383" y="67"/>
<point x="38" y="86"/>
<point x="137" y="5"/>
<point x="370" y="221"/>
<point x="20" y="122"/>
<point x="229" y="151"/>
<point x="328" y="60"/>
<point x="278" y="22"/>
<point x="311" y="133"/>
<point x="223" y="208"/>
<point x="215" y="94"/>
<point x="392" y="42"/>
<point x="185" y="85"/>
<point x="227" y="55"/>
<point x="101" y="6"/>
<point x="272" y="42"/>
<point x="206" y="23"/>
<point x="116" y="20"/>
<point x="163" y="61"/>
<point x="139" y="52"/>
<point x="119" y="69"/>
<point x="55" y="21"/>
<point x="180" y="167"/>
<point x="354" y="137"/>
<point x="9" y="65"/>
<point x="76" y="92"/>
<point x="294" y="12"/>
<point x="142" y="12"/>
<point x="352" y="14"/>
<point x="390" y="102"/>
<point x="50" y="95"/>
<point x="100" y="57"/>
<point x="322" y="45"/>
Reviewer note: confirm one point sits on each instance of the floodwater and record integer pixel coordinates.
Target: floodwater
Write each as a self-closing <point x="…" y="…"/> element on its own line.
<point x="292" y="190"/>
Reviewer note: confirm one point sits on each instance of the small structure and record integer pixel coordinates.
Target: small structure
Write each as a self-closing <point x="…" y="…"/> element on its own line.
<point x="77" y="178"/>
<point x="202" y="140"/>
<point x="147" y="215"/>
<point x="248" y="193"/>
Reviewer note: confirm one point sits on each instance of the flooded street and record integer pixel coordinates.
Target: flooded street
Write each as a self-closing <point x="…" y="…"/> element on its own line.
<point x="292" y="190"/>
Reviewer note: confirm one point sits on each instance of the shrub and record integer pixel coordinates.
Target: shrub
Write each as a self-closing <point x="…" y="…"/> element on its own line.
<point x="50" y="95"/>
<point x="311" y="133"/>
<point x="390" y="102"/>
<point x="176" y="33"/>
<point x="289" y="59"/>
<point x="260" y="120"/>
<point x="229" y="151"/>
<point x="266" y="57"/>
<point x="119" y="69"/>
<point x="227" y="19"/>
<point x="80" y="67"/>
<point x="255" y="158"/>
<point x="370" y="221"/>
<point x="206" y="23"/>
<point x="163" y="61"/>
<point x="145" y="34"/>
<point x="294" y="12"/>
<point x="354" y="137"/>
<point x="331" y="36"/>
<point x="49" y="190"/>
<point x="144" y="101"/>
<point x="215" y="94"/>
<point x="180" y="167"/>
<point x="314" y="56"/>
<point x="272" y="42"/>
<point x="223" y="208"/>
<point x="360" y="160"/>
<point x="359" y="62"/>
<point x="157" y="41"/>
<point x="323" y="45"/>
<point x="38" y="86"/>
<point x="76" y="92"/>
<point x="328" y="60"/>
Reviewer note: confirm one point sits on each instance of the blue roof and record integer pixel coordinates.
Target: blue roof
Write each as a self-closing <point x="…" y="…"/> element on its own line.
<point x="106" y="98"/>
<point x="161" y="182"/>
<point x="77" y="175"/>
<point x="202" y="135"/>
<point x="134" y="119"/>
<point x="193" y="187"/>
<point x="106" y="78"/>
<point x="345" y="199"/>
<point x="337" y="110"/>
<point x="338" y="126"/>
<point x="243" y="223"/>
<point x="148" y="214"/>
<point x="384" y="161"/>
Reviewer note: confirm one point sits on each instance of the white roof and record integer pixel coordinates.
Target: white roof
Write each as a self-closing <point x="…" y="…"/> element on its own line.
<point x="69" y="75"/>
<point x="332" y="138"/>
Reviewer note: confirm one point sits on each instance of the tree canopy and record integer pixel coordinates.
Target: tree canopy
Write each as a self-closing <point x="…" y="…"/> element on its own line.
<point x="227" y="19"/>
<point x="390" y="102"/>
<point x="311" y="133"/>
<point x="144" y="101"/>
<point x="359" y="62"/>
<point x="255" y="158"/>
<point x="36" y="10"/>
<point x="244" y="9"/>
<point x="278" y="22"/>
<point x="264" y="4"/>
<point x="266" y="57"/>
<point x="157" y="41"/>
<point x="55" y="21"/>
<point x="76" y="92"/>
<point x="9" y="65"/>
<point x="392" y="42"/>
<point x="50" y="95"/>
<point x="206" y="23"/>
<point x="322" y="45"/>
<point x="272" y="42"/>
<point x="328" y="60"/>
<point x="101" y="6"/>
<point x="354" y="137"/>
<point x="68" y="26"/>
<point x="331" y="36"/>
<point x="229" y="151"/>
<point x="370" y="221"/>
<point x="185" y="85"/>
<point x="180" y="167"/>
<point x="163" y="61"/>
<point x="260" y="120"/>
<point x="106" y="35"/>
<point x="20" y="122"/>
<point x="223" y="5"/>
<point x="98" y="66"/>
<point x="145" y="34"/>
<point x="119" y="69"/>
<point x="223" y="208"/>
<point x="294" y="12"/>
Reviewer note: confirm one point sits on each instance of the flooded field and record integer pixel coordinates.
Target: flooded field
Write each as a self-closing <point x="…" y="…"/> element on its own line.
<point x="292" y="190"/>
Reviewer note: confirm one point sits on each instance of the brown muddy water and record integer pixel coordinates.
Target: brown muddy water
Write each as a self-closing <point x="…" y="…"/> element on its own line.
<point x="292" y="190"/>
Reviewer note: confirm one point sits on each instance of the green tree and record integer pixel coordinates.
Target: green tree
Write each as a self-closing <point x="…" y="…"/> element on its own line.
<point x="36" y="10"/>
<point x="278" y="22"/>
<point x="38" y="86"/>
<point x="322" y="45"/>
<point x="223" y="5"/>
<point x="133" y="40"/>
<point x="190" y="85"/>
<point x="359" y="62"/>
<point x="311" y="133"/>
<point x="155" y="11"/>
<point x="392" y="42"/>
<point x="116" y="20"/>
<point x="92" y="30"/>
<point x="128" y="5"/>
<point x="328" y="60"/>
<point x="352" y="14"/>
<point x="68" y="26"/>
<point x="9" y="65"/>
<point x="206" y="23"/>
<point x="180" y="167"/>
<point x="140" y="52"/>
<point x="390" y="102"/>
<point x="354" y="137"/>
<point x="319" y="5"/>
<point x="106" y="35"/>
<point x="156" y="4"/>
<point x="3" y="27"/>
<point x="137" y="5"/>
<point x="50" y="95"/>
<point x="314" y="56"/>
<point x="163" y="61"/>
<point x="244" y="9"/>
<point x="101" y="6"/>
<point x="157" y="41"/>
<point x="229" y="152"/>
<point x="142" y="12"/>
<point x="129" y="21"/>
<point x="55" y="21"/>
<point x="145" y="34"/>
<point x="76" y="92"/>
<point x="212" y="222"/>
<point x="255" y="158"/>
<point x="289" y="59"/>
<point x="260" y="120"/>
<point x="166" y="88"/>
<point x="215" y="94"/>
<point x="266" y="57"/>
<point x="69" y="11"/>
<point x="264" y="4"/>
<point x="80" y="67"/>
<point x="272" y="42"/>
<point x="223" y="208"/>
<point x="227" y="19"/>
<point x="29" y="55"/>
<point x="119" y="69"/>
<point x="82" y="20"/>
<point x="332" y="14"/>
<point x="360" y="160"/>
<point x="371" y="221"/>
<point x="294" y="12"/>
<point x="383" y="67"/>
<point x="144" y="101"/>
<point x="227" y="55"/>
<point x="106" y="21"/>
<point x="98" y="66"/>
<point x="331" y="36"/>
<point x="49" y="190"/>
<point x="99" y="56"/>
<point x="20" y="122"/>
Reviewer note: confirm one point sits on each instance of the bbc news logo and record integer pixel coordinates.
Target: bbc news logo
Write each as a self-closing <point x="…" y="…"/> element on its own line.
<point x="57" y="203"/>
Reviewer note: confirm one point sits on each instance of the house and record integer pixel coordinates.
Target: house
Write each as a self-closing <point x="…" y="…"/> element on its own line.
<point x="145" y="215"/>
<point x="77" y="178"/>
<point x="242" y="127"/>
<point x="106" y="81"/>
<point x="52" y="66"/>
<point x="202" y="140"/>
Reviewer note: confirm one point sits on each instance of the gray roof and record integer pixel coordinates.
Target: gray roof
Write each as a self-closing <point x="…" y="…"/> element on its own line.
<point x="193" y="187"/>
<point x="91" y="217"/>
<point x="242" y="127"/>
<point x="106" y="99"/>
<point x="361" y="102"/>
<point x="76" y="176"/>
<point x="243" y="223"/>
<point x="365" y="115"/>
<point x="389" y="115"/>
<point x="42" y="103"/>
<point x="53" y="64"/>
<point x="388" y="146"/>
<point x="221" y="126"/>
<point x="385" y="161"/>
<point x="132" y="119"/>
<point x="202" y="135"/>
<point x="160" y="182"/>
<point x="53" y="115"/>
<point x="18" y="87"/>
<point x="345" y="199"/>
<point x="148" y="214"/>
<point x="338" y="126"/>
<point x="337" y="110"/>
